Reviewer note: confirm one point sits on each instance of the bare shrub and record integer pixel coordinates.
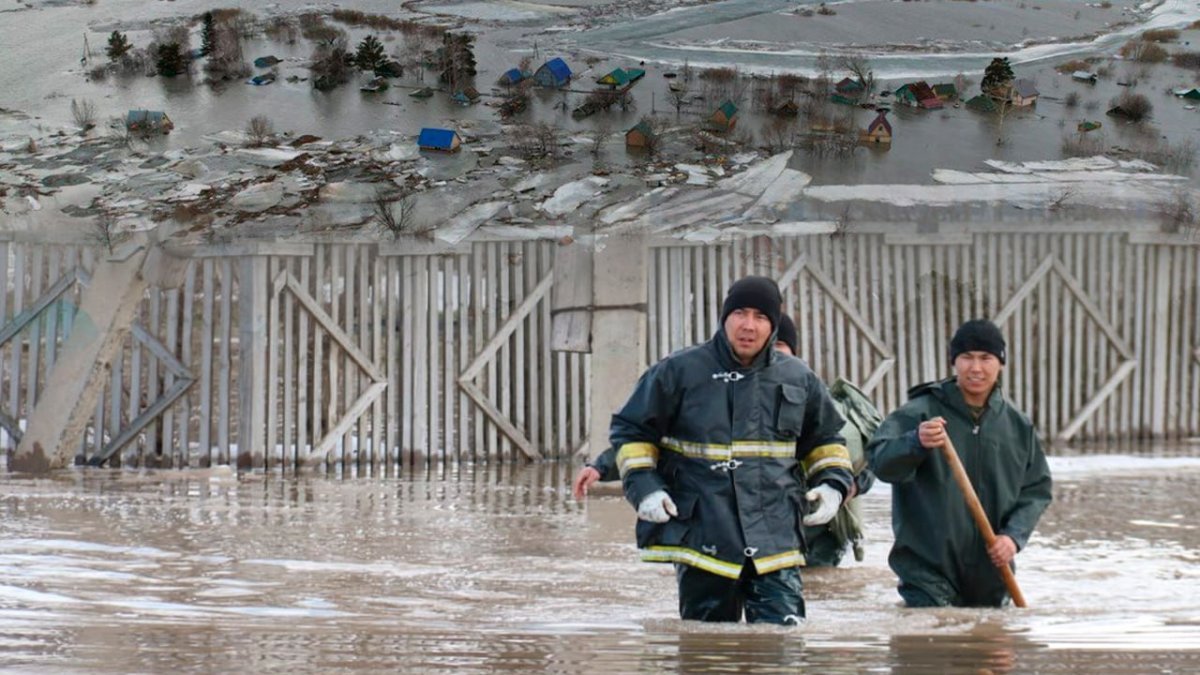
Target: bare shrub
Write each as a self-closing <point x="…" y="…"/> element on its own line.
<point x="1179" y="214"/>
<point x="1071" y="100"/>
<point x="395" y="213"/>
<point x="1186" y="60"/>
<point x="104" y="232"/>
<point x="824" y="10"/>
<point x="1161" y="35"/>
<point x="259" y="130"/>
<point x="1143" y="52"/>
<point x="536" y="141"/>
<point x="282" y="29"/>
<point x="1072" y="66"/>
<point x="83" y="111"/>
<point x="227" y="60"/>
<point x="779" y="135"/>
<point x="331" y="64"/>
<point x="1136" y="107"/>
<point x="1174" y="157"/>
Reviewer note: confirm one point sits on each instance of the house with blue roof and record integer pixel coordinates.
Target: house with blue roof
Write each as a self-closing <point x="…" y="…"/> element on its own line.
<point x="439" y="140"/>
<point x="553" y="73"/>
<point x="512" y="76"/>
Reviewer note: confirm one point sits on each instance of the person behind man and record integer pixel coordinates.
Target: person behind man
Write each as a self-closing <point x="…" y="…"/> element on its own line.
<point x="939" y="555"/>
<point x="707" y="448"/>
<point x="824" y="545"/>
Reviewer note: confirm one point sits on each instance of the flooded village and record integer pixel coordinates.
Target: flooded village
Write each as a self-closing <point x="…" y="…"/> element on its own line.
<point x="312" y="313"/>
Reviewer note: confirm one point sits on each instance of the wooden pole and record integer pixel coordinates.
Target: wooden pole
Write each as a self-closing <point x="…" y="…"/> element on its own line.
<point x="981" y="520"/>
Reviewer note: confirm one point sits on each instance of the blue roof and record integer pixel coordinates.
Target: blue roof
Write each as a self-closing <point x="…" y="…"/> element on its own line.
<point x="558" y="67"/>
<point x="436" y="138"/>
<point x="512" y="76"/>
<point x="153" y="116"/>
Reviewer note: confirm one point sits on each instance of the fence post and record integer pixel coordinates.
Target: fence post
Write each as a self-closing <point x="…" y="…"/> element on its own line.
<point x="618" y="328"/>
<point x="252" y="362"/>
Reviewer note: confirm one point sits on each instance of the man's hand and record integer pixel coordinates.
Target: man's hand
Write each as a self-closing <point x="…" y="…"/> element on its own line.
<point x="932" y="433"/>
<point x="585" y="479"/>
<point x="1002" y="550"/>
<point x="657" y="507"/>
<point x="826" y="501"/>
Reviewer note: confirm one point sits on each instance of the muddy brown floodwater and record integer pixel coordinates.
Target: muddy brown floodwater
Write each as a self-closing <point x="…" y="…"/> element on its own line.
<point x="486" y="569"/>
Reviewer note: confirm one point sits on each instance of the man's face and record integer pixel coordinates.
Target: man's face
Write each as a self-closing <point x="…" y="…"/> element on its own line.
<point x="977" y="373"/>
<point x="747" y="330"/>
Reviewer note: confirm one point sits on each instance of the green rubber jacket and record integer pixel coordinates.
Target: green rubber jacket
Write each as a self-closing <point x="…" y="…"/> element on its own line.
<point x="938" y="548"/>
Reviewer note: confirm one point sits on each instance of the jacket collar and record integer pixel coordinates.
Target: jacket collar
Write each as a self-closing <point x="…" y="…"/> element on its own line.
<point x="730" y="361"/>
<point x="948" y="393"/>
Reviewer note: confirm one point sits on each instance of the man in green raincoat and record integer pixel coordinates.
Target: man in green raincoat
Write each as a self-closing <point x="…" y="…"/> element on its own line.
<point x="939" y="555"/>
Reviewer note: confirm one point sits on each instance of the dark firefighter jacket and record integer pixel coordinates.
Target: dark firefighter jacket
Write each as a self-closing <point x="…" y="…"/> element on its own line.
<point x="938" y="549"/>
<point x="734" y="446"/>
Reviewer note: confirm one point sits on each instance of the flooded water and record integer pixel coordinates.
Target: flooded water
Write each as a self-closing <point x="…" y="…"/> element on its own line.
<point x="484" y="569"/>
<point x="40" y="77"/>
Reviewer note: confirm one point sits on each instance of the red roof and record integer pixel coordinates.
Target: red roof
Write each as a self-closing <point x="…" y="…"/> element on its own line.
<point x="880" y="121"/>
<point x="925" y="94"/>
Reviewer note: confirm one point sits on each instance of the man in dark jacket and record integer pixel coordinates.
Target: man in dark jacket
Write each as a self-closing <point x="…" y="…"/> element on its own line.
<point x="939" y="554"/>
<point x="715" y="448"/>
<point x="824" y="545"/>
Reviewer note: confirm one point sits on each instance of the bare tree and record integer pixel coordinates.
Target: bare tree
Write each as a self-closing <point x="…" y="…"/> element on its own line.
<point x="678" y="96"/>
<point x="600" y="133"/>
<point x="104" y="232"/>
<point x="536" y="141"/>
<point x="259" y="130"/>
<point x="84" y="112"/>
<point x="779" y="134"/>
<point x="1180" y="215"/>
<point x="655" y="138"/>
<point x="860" y="69"/>
<point x="395" y="213"/>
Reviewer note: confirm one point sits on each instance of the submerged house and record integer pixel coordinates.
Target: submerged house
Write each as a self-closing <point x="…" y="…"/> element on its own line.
<point x="511" y="76"/>
<point x="640" y="136"/>
<point x="266" y="61"/>
<point x="918" y="95"/>
<point x="621" y="77"/>
<point x="982" y="103"/>
<point x="1024" y="93"/>
<point x="724" y="117"/>
<point x="1084" y="76"/>
<point x="1193" y="93"/>
<point x="439" y="140"/>
<point x="260" y="80"/>
<point x="148" y="121"/>
<point x="553" y="73"/>
<point x="878" y="131"/>
<point x="945" y="92"/>
<point x="848" y="87"/>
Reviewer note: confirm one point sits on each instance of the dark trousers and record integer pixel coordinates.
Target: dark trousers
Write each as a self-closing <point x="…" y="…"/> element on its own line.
<point x="775" y="597"/>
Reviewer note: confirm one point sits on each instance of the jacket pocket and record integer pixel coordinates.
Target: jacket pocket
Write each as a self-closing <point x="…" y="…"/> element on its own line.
<point x="674" y="531"/>
<point x="789" y="420"/>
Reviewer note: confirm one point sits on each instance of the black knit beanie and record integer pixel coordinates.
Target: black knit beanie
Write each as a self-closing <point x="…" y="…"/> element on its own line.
<point x="978" y="335"/>
<point x="787" y="333"/>
<point x="760" y="293"/>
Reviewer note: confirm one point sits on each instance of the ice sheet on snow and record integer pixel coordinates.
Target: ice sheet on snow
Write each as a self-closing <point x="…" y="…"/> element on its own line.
<point x="571" y="196"/>
<point x="268" y="156"/>
<point x="462" y="225"/>
<point x="1102" y="194"/>
<point x="1098" y="163"/>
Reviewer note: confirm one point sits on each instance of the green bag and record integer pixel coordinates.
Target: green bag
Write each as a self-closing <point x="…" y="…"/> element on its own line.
<point x="862" y="419"/>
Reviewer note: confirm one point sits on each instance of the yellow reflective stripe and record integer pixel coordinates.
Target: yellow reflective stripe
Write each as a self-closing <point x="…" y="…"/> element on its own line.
<point x="764" y="449"/>
<point x="687" y="556"/>
<point x="634" y="456"/>
<point x="718" y="451"/>
<point x="778" y="561"/>
<point x="824" y="457"/>
<point x="697" y="450"/>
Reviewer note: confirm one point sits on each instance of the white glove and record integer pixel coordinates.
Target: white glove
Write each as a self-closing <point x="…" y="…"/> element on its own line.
<point x="826" y="502"/>
<point x="657" y="507"/>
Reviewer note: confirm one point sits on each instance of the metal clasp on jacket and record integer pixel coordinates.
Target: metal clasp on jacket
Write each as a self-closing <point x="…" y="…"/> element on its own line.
<point x="727" y="466"/>
<point x="731" y="376"/>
